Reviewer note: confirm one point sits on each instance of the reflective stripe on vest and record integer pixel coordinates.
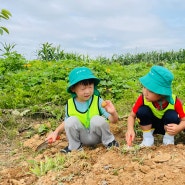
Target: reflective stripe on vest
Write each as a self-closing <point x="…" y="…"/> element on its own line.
<point x="159" y="113"/>
<point x="86" y="116"/>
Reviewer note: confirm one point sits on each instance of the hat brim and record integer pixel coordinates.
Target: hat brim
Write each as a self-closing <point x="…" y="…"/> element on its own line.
<point x="96" y="82"/>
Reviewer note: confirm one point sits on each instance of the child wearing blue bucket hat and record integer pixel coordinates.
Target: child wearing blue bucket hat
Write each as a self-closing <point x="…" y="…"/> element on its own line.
<point x="158" y="110"/>
<point x="85" y="120"/>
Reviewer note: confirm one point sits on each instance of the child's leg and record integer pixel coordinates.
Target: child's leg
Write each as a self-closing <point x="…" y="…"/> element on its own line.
<point x="99" y="127"/>
<point x="148" y="138"/>
<point x="73" y="128"/>
<point x="169" y="117"/>
<point x="168" y="139"/>
<point x="146" y="118"/>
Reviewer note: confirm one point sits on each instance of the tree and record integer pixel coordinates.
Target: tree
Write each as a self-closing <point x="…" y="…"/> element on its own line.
<point x="4" y="14"/>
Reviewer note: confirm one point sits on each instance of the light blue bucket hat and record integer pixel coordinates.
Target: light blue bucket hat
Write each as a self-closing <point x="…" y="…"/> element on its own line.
<point x="159" y="80"/>
<point x="81" y="73"/>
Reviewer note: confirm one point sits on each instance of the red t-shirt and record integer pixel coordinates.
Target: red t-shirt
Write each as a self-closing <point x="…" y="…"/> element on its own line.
<point x="178" y="106"/>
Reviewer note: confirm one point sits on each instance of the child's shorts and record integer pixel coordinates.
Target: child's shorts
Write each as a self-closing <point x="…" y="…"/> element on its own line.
<point x="146" y="117"/>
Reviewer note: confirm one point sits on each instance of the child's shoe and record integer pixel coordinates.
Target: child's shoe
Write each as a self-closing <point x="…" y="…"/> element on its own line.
<point x="148" y="138"/>
<point x="168" y="139"/>
<point x="113" y="143"/>
<point x="67" y="150"/>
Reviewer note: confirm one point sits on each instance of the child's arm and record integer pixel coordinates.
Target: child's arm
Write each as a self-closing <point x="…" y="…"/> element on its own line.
<point x="174" y="129"/>
<point x="57" y="132"/>
<point x="130" y="127"/>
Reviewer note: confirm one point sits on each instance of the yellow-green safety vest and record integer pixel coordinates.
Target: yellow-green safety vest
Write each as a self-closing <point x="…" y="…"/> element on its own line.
<point x="159" y="113"/>
<point x="84" y="117"/>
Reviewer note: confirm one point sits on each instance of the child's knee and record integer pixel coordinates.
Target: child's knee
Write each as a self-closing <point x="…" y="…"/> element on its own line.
<point x="98" y="121"/>
<point x="171" y="116"/>
<point x="145" y="115"/>
<point x="71" y="121"/>
<point x="144" y="111"/>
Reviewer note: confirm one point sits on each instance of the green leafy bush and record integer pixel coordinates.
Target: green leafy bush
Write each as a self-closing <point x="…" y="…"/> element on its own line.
<point x="12" y="63"/>
<point x="36" y="83"/>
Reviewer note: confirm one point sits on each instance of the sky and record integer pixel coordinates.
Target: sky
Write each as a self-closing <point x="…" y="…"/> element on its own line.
<point x="98" y="28"/>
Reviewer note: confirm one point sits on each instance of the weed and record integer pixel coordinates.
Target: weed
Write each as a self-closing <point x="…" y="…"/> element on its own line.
<point x="115" y="172"/>
<point x="43" y="129"/>
<point x="139" y="159"/>
<point x="42" y="167"/>
<point x="133" y="149"/>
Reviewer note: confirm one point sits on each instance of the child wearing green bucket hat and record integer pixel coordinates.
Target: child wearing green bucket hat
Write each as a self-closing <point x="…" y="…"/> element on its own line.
<point x="157" y="109"/>
<point x="85" y="120"/>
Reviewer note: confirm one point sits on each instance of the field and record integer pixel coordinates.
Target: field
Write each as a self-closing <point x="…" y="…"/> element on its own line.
<point x="21" y="165"/>
<point x="32" y="105"/>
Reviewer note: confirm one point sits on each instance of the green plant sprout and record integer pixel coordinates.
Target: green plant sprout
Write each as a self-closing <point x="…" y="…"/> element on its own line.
<point x="42" y="167"/>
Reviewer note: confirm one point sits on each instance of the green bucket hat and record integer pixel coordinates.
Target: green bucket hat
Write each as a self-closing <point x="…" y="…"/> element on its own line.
<point x="81" y="73"/>
<point x="159" y="81"/>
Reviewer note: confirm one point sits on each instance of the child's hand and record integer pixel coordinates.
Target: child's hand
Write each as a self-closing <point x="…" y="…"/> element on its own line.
<point x="129" y="136"/>
<point x="129" y="142"/>
<point x="52" y="136"/>
<point x="172" y="129"/>
<point x="108" y="106"/>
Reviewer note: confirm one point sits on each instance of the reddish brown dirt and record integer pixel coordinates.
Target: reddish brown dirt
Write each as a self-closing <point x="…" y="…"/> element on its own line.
<point x="159" y="165"/>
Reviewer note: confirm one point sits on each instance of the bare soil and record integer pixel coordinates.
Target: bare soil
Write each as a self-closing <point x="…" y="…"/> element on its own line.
<point x="159" y="165"/>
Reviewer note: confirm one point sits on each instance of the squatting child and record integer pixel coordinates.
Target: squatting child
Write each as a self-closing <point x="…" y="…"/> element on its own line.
<point x="86" y="121"/>
<point x="157" y="109"/>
